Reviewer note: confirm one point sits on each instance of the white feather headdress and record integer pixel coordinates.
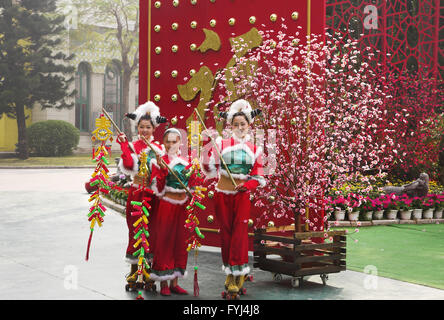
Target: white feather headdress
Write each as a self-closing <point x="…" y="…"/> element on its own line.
<point x="243" y="106"/>
<point x="148" y="108"/>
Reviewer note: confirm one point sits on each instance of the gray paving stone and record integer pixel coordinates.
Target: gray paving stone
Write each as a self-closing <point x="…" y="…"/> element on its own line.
<point x="44" y="233"/>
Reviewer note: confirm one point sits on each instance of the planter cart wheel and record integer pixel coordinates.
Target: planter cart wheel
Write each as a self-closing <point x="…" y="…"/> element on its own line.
<point x="324" y="278"/>
<point x="277" y="277"/>
<point x="150" y="286"/>
<point x="297" y="282"/>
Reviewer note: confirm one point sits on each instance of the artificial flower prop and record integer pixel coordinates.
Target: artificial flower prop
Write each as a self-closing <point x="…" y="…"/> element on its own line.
<point x="99" y="178"/>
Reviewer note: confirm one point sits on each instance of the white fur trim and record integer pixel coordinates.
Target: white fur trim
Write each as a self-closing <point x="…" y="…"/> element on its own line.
<point x="259" y="179"/>
<point x="172" y="161"/>
<point x="153" y="162"/>
<point x="155" y="190"/>
<point x="242" y="140"/>
<point x="226" y="191"/>
<point x="212" y="173"/>
<point x="176" y="274"/>
<point x="228" y="271"/>
<point x="240" y="105"/>
<point x="148" y="107"/>
<point x="140" y="138"/>
<point x="156" y="149"/>
<point x="258" y="153"/>
<point x="177" y="160"/>
<point x="135" y="168"/>
<point x="131" y="260"/>
<point x="174" y="190"/>
<point x="234" y="175"/>
<point x="218" y="142"/>
<point x="174" y="201"/>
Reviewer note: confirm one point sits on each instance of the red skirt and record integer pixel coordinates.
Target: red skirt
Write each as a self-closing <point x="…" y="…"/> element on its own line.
<point x="170" y="252"/>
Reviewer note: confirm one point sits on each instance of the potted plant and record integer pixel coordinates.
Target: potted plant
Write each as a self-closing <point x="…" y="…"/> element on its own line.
<point x="390" y="202"/>
<point x="428" y="206"/>
<point x="354" y="203"/>
<point x="417" y="207"/>
<point x="340" y="205"/>
<point x="439" y="206"/>
<point x="404" y="205"/>
<point x="378" y="208"/>
<point x="366" y="209"/>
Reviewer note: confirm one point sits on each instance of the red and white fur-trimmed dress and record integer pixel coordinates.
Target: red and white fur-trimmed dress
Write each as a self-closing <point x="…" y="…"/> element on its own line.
<point x="232" y="207"/>
<point x="129" y="165"/>
<point x="170" y="252"/>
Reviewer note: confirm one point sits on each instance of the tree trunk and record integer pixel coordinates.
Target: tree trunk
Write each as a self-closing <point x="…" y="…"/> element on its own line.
<point x="126" y="79"/>
<point x="22" y="146"/>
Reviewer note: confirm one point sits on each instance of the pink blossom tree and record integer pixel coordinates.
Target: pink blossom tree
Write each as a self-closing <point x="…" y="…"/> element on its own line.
<point x="323" y="106"/>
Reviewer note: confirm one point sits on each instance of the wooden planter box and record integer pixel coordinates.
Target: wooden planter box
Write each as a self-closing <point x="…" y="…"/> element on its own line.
<point x="298" y="255"/>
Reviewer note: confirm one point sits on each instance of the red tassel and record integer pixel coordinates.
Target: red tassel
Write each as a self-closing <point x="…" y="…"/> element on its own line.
<point x="89" y="245"/>
<point x="196" y="283"/>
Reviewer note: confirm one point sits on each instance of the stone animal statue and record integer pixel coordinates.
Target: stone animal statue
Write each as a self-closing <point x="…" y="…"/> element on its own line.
<point x="417" y="188"/>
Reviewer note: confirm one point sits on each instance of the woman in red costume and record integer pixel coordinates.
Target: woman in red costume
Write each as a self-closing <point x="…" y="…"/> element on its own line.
<point x="232" y="203"/>
<point x="170" y="252"/>
<point x="147" y="118"/>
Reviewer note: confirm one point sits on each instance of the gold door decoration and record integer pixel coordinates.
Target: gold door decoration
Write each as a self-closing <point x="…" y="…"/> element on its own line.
<point x="204" y="81"/>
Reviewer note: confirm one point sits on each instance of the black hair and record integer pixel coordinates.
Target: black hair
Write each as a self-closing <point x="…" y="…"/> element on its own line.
<point x="159" y="119"/>
<point x="253" y="113"/>
<point x="146" y="117"/>
<point x="240" y="113"/>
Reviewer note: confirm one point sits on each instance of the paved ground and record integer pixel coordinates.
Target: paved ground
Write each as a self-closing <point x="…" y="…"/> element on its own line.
<point x="44" y="232"/>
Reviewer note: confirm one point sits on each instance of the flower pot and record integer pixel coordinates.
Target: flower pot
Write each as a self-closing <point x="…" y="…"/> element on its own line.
<point x="437" y="214"/>
<point x="367" y="216"/>
<point x="353" y="216"/>
<point x="406" y="214"/>
<point x="417" y="213"/>
<point x="391" y="214"/>
<point x="339" y="215"/>
<point x="427" y="214"/>
<point x="377" y="215"/>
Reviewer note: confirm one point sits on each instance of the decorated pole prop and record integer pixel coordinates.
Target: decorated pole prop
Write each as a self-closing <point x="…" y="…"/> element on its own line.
<point x="142" y="211"/>
<point x="217" y="150"/>
<point x="115" y="126"/>
<point x="100" y="176"/>
<point x="192" y="223"/>
<point x="141" y="208"/>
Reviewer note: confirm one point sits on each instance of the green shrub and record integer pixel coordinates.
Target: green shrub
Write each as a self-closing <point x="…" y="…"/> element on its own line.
<point x="52" y="138"/>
